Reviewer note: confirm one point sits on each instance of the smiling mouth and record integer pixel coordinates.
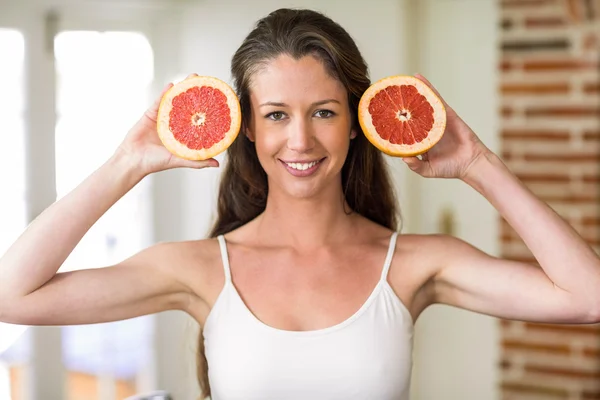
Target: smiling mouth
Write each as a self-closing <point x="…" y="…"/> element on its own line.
<point x="302" y="166"/>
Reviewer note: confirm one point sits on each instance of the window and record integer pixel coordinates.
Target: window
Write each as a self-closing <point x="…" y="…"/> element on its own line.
<point x="12" y="168"/>
<point x="12" y="151"/>
<point x="103" y="83"/>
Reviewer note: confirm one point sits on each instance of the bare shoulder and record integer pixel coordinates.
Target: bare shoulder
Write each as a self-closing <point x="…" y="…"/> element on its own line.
<point x="197" y="264"/>
<point x="425" y="254"/>
<point x="184" y="257"/>
<point x="418" y="258"/>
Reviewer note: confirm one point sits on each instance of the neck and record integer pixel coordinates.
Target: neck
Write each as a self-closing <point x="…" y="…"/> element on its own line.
<point x="308" y="222"/>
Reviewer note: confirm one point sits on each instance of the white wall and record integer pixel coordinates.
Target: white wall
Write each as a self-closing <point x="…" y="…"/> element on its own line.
<point x="456" y="352"/>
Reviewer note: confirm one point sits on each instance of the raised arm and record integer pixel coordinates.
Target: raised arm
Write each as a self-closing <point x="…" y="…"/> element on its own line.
<point x="31" y="291"/>
<point x="566" y="289"/>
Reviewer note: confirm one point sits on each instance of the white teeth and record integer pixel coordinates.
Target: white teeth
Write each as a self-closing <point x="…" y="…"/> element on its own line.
<point x="302" y="166"/>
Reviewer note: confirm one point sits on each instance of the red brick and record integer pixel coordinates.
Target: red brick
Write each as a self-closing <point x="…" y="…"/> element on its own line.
<point x="590" y="42"/>
<point x="568" y="198"/>
<point x="592" y="353"/>
<point x="525" y="3"/>
<point x="546" y="135"/>
<point x="575" y="10"/>
<point x="575" y="330"/>
<point x="530" y="346"/>
<point x="590" y="221"/>
<point x="563" y="112"/>
<point x="591" y="179"/>
<point x="506" y="239"/>
<point x="591" y="135"/>
<point x="537" y="89"/>
<point x="566" y="157"/>
<point x="533" y="389"/>
<point x="507" y="66"/>
<point x="545" y="22"/>
<point x="505" y="364"/>
<point x="591" y="88"/>
<point x="526" y="260"/>
<point x="590" y="234"/>
<point x="559" y="65"/>
<point x="563" y="372"/>
<point x="596" y="9"/>
<point x="507" y="111"/>
<point x="552" y="178"/>
<point x="589" y="395"/>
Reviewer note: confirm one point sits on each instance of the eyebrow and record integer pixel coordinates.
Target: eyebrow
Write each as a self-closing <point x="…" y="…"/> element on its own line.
<point x="318" y="103"/>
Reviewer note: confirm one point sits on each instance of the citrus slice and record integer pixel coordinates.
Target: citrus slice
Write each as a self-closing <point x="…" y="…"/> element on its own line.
<point x="402" y="116"/>
<point x="198" y="118"/>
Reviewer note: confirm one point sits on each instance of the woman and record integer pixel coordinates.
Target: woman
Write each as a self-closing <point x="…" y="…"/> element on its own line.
<point x="305" y="281"/>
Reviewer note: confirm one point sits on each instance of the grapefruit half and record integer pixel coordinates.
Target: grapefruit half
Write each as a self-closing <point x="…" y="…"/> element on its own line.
<point x="199" y="118"/>
<point x="402" y="116"/>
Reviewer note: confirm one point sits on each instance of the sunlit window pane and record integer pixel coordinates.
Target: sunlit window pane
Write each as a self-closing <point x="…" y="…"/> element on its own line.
<point x="103" y="84"/>
<point x="12" y="169"/>
<point x="12" y="156"/>
<point x="103" y="81"/>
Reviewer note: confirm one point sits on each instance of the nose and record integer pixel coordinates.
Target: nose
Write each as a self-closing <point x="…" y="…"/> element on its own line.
<point x="301" y="137"/>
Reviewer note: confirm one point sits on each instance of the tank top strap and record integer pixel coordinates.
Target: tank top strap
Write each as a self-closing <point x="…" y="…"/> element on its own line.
<point x="224" y="257"/>
<point x="390" y="255"/>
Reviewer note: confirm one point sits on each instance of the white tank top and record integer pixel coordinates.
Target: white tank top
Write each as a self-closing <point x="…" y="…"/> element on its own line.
<point x="368" y="356"/>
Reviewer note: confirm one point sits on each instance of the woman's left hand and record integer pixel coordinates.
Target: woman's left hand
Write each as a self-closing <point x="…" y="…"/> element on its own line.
<point x="454" y="154"/>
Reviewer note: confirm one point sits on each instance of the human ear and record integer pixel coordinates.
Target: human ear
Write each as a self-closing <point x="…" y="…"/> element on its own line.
<point x="249" y="134"/>
<point x="248" y="131"/>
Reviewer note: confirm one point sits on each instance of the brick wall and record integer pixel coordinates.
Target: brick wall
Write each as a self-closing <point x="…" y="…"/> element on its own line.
<point x="550" y="127"/>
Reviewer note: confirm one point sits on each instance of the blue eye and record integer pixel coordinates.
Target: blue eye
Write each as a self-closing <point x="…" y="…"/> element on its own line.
<point x="324" y="114"/>
<point x="275" y="116"/>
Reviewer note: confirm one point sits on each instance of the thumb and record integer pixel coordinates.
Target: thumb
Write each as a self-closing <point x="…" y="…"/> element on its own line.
<point x="153" y="110"/>
<point x="183" y="163"/>
<point x="421" y="167"/>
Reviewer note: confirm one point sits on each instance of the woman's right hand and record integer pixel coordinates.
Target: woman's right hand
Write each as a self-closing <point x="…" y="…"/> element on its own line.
<point x="143" y="148"/>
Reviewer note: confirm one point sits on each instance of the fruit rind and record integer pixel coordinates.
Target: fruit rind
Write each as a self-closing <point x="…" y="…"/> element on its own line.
<point x="401" y="150"/>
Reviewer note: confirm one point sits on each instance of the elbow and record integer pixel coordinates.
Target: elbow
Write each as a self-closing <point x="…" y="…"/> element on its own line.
<point x="589" y="310"/>
<point x="582" y="311"/>
<point x="594" y="313"/>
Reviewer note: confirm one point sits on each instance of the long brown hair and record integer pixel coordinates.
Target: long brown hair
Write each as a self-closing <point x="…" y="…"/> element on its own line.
<point x="243" y="189"/>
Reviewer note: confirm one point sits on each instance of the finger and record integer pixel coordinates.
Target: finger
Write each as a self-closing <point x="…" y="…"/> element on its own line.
<point x="211" y="162"/>
<point x="425" y="81"/>
<point x="416" y="165"/>
<point x="154" y="108"/>
<point x="193" y="74"/>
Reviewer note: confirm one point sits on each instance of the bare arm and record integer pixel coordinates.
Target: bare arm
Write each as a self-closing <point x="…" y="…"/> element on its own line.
<point x="31" y="291"/>
<point x="47" y="242"/>
<point x="141" y="285"/>
<point x="566" y="289"/>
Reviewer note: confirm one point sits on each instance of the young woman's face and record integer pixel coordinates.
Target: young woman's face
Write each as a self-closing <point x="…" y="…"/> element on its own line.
<point x="301" y="125"/>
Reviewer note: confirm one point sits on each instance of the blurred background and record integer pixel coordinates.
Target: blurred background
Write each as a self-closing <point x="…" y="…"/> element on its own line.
<point x="75" y="74"/>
